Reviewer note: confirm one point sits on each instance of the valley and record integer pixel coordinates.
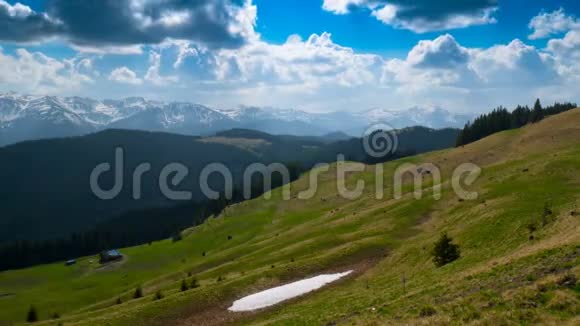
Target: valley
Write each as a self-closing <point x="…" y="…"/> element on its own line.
<point x="55" y="173"/>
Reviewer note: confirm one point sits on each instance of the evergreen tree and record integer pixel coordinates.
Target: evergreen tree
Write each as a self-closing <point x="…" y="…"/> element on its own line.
<point x="520" y="116"/>
<point x="537" y="113"/>
<point x="32" y="316"/>
<point x="138" y="293"/>
<point x="445" y="251"/>
<point x="538" y="105"/>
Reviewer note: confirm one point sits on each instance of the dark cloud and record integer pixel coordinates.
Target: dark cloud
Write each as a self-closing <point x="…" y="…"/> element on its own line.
<point x="426" y="15"/>
<point x="430" y="10"/>
<point x="19" y="24"/>
<point x="422" y="15"/>
<point x="126" y="22"/>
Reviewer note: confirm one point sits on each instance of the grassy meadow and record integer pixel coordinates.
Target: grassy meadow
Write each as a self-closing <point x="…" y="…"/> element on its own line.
<point x="515" y="267"/>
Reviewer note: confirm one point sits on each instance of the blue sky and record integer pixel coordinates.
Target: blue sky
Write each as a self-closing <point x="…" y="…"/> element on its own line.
<point x="363" y="33"/>
<point x="315" y="55"/>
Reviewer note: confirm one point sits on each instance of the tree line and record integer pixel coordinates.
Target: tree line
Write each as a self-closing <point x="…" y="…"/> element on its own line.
<point x="501" y="119"/>
<point x="131" y="228"/>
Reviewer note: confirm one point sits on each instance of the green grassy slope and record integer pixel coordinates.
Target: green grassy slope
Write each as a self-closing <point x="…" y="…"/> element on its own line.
<point x="503" y="275"/>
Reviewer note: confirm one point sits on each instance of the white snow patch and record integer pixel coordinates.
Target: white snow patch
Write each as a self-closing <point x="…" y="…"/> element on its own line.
<point x="276" y="295"/>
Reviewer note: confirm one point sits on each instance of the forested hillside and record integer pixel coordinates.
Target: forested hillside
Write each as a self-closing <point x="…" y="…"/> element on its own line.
<point x="69" y="220"/>
<point x="501" y="119"/>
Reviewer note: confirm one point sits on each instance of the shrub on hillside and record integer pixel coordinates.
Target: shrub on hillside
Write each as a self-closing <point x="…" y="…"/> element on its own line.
<point x="158" y="295"/>
<point x="532" y="227"/>
<point x="32" y="315"/>
<point x="427" y="311"/>
<point x="138" y="293"/>
<point x="445" y="251"/>
<point x="194" y="284"/>
<point x="184" y="286"/>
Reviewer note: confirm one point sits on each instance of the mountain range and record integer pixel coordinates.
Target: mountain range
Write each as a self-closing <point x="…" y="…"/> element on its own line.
<point x="31" y="117"/>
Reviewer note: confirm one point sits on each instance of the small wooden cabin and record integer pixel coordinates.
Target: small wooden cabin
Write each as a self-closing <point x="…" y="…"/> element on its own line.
<point x="110" y="256"/>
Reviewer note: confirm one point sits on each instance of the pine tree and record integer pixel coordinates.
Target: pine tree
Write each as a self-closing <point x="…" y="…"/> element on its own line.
<point x="520" y="116"/>
<point x="445" y="251"/>
<point x="537" y="113"/>
<point x="138" y="293"/>
<point x="32" y="316"/>
<point x="538" y="105"/>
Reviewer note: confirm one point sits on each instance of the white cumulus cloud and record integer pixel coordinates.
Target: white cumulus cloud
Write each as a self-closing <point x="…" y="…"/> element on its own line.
<point x="443" y="52"/>
<point x="514" y="65"/>
<point x="548" y="24"/>
<point x="36" y="72"/>
<point x="341" y="7"/>
<point x="126" y="76"/>
<point x="315" y="60"/>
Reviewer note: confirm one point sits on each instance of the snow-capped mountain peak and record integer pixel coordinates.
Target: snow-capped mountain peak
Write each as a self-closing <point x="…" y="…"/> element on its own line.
<point x="24" y="117"/>
<point x="430" y="116"/>
<point x="267" y="113"/>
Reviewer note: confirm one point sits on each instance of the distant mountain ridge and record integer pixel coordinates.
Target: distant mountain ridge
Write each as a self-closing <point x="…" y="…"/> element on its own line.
<point x="431" y="117"/>
<point x="31" y="117"/>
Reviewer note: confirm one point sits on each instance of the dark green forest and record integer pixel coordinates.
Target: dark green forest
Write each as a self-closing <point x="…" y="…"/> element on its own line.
<point x="129" y="229"/>
<point x="502" y="119"/>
